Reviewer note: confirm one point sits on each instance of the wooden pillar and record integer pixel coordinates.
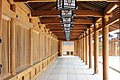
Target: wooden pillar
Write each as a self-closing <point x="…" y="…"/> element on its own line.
<point x="115" y="48"/>
<point x="86" y="49"/>
<point x="96" y="48"/>
<point x="1" y="4"/>
<point x="105" y="49"/>
<point x="31" y="47"/>
<point x="90" y="48"/>
<point x="40" y="46"/>
<point x="59" y="48"/>
<point x="83" y="48"/>
<point x="12" y="43"/>
<point x="80" y="47"/>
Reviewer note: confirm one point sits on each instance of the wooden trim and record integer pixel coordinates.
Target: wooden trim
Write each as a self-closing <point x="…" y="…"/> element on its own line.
<point x="55" y="0"/>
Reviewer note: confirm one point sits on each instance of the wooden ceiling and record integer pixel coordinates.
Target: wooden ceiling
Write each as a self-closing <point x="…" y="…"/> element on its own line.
<point x="86" y="14"/>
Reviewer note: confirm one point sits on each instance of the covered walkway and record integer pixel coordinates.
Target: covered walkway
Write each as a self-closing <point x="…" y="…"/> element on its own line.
<point x="72" y="68"/>
<point x="32" y="33"/>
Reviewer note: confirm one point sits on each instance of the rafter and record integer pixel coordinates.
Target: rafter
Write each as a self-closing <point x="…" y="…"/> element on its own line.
<point x="55" y="12"/>
<point x="57" y="21"/>
<point x="110" y="8"/>
<point x="57" y="26"/>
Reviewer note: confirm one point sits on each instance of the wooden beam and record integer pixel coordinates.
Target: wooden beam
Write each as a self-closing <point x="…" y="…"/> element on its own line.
<point x="45" y="13"/>
<point x="58" y="26"/>
<point x="57" y="21"/>
<point x="56" y="12"/>
<point x="82" y="21"/>
<point x="113" y="20"/>
<point x="88" y="13"/>
<point x="55" y="0"/>
<point x="110" y="8"/>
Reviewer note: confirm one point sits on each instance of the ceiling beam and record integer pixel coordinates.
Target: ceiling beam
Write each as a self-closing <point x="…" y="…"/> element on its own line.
<point x="58" y="26"/>
<point x="57" y="21"/>
<point x="45" y="13"/>
<point x="56" y="12"/>
<point x="110" y="8"/>
<point x="55" y="0"/>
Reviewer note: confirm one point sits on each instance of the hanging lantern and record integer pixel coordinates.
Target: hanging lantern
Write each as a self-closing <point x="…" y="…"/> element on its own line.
<point x="66" y="7"/>
<point x="69" y="4"/>
<point x="67" y="25"/>
<point x="59" y="4"/>
<point x="66" y="29"/>
<point x="66" y="13"/>
<point x="66" y="20"/>
<point x="66" y="4"/>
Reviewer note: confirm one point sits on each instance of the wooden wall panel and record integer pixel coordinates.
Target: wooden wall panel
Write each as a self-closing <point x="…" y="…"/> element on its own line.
<point x="22" y="47"/>
<point x="27" y="46"/>
<point x="5" y="48"/>
<point x="36" y="52"/>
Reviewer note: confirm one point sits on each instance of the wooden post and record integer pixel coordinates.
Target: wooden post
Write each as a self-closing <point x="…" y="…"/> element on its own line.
<point x="115" y="49"/>
<point x="96" y="48"/>
<point x="90" y="48"/>
<point x="105" y="49"/>
<point x="40" y="45"/>
<point x="31" y="47"/>
<point x="59" y="54"/>
<point x="12" y="43"/>
<point x="1" y="4"/>
<point x="84" y="48"/>
<point x="81" y="47"/>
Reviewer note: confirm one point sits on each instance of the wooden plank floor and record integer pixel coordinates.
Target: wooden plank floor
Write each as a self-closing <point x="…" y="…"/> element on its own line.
<point x="71" y="68"/>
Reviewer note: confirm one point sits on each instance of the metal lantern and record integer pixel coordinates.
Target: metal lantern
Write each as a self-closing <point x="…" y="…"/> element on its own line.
<point x="67" y="35"/>
<point x="66" y="20"/>
<point x="66" y="13"/>
<point x="66" y="29"/>
<point x="59" y="4"/>
<point x="67" y="25"/>
<point x="66" y="4"/>
<point x="66" y="7"/>
<point x="69" y="4"/>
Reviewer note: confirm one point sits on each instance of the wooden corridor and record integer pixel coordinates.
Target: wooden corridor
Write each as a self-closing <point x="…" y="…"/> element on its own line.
<point x="32" y="32"/>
